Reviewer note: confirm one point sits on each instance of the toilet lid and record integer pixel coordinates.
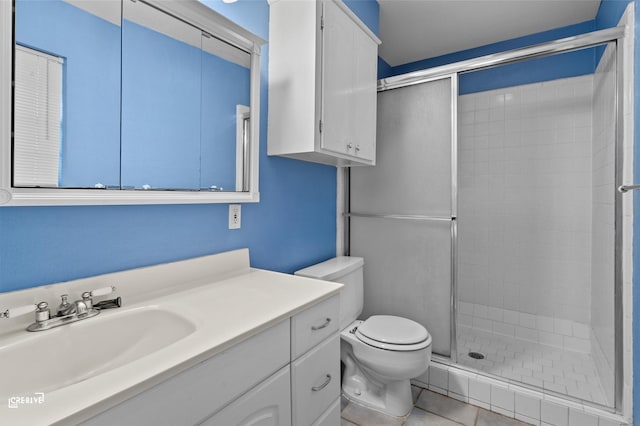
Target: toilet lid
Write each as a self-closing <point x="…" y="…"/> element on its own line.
<point x="393" y="330"/>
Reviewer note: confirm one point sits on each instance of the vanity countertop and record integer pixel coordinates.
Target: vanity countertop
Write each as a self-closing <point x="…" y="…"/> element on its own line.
<point x="224" y="312"/>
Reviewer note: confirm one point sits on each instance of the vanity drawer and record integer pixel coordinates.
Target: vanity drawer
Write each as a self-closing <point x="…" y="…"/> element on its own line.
<point x="315" y="379"/>
<point x="312" y="326"/>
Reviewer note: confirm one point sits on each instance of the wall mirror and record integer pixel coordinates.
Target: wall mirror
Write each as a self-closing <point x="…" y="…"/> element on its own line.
<point x="126" y="102"/>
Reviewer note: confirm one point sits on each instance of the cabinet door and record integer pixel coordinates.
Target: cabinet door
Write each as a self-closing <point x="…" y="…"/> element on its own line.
<point x="337" y="80"/>
<point x="331" y="417"/>
<point x="268" y="404"/>
<point x="365" y="56"/>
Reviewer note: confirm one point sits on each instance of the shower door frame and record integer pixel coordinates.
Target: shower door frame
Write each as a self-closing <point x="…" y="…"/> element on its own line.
<point x="611" y="35"/>
<point x="451" y="218"/>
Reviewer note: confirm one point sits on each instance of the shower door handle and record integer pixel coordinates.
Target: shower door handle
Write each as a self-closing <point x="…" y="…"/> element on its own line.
<point x="626" y="188"/>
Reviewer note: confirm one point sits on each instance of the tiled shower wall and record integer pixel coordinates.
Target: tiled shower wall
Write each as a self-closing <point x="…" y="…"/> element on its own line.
<point x="525" y="197"/>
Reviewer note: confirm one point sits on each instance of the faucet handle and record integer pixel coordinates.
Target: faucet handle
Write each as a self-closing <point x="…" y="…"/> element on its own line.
<point x="87" y="296"/>
<point x="42" y="312"/>
<point x="101" y="291"/>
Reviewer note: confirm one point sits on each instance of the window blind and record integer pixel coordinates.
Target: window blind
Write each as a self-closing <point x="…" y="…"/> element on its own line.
<point x="37" y="118"/>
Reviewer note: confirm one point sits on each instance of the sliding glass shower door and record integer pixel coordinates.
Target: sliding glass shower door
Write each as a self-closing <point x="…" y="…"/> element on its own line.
<point x="402" y="211"/>
<point x="493" y="216"/>
<point x="537" y="222"/>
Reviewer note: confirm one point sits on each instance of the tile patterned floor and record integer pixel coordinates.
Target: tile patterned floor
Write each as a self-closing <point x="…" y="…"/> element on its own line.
<point x="430" y="409"/>
<point x="547" y="367"/>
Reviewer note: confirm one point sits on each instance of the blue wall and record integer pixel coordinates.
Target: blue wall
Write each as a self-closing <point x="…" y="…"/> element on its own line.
<point x="161" y="87"/>
<point x="293" y="226"/>
<point x="571" y="64"/>
<point x="224" y="85"/>
<point x="178" y="122"/>
<point x="368" y="11"/>
<point x="91" y="49"/>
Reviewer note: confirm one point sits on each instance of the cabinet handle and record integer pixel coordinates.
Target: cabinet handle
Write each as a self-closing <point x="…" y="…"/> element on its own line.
<point x="322" y="386"/>
<point x="321" y="326"/>
<point x="357" y="148"/>
<point x="349" y="145"/>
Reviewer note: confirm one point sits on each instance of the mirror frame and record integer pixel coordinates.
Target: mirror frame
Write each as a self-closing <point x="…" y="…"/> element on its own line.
<point x="191" y="11"/>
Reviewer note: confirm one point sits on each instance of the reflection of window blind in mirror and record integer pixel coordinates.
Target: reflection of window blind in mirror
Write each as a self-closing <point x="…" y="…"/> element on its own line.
<point x="37" y="118"/>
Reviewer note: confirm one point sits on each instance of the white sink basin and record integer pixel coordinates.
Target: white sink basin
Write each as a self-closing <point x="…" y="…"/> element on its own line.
<point x="47" y="360"/>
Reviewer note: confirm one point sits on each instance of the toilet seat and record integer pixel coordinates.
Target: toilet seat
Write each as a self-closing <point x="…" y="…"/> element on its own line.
<point x="393" y="333"/>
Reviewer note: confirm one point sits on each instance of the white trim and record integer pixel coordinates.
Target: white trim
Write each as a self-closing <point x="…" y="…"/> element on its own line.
<point x="53" y="197"/>
<point x="150" y="17"/>
<point x="340" y="211"/>
<point x="576" y="42"/>
<point x="6" y="65"/>
<point x="627" y="49"/>
<point x="205" y="18"/>
<point x="109" y="10"/>
<point x="242" y="113"/>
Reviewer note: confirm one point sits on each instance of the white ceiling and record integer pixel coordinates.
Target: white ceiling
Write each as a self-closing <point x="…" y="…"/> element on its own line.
<point x="412" y="30"/>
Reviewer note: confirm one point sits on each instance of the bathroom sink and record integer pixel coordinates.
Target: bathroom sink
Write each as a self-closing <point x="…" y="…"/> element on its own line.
<point x="52" y="359"/>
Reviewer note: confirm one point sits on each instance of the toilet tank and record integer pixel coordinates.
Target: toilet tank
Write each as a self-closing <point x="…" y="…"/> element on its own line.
<point x="346" y="270"/>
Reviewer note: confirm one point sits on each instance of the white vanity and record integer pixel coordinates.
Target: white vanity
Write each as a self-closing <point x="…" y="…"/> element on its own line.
<point x="202" y="341"/>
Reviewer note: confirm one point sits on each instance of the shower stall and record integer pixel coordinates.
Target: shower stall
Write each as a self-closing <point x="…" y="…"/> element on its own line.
<point x="493" y="217"/>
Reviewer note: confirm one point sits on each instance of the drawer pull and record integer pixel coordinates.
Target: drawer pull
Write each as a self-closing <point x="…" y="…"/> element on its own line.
<point x="322" y="386"/>
<point x="320" y="327"/>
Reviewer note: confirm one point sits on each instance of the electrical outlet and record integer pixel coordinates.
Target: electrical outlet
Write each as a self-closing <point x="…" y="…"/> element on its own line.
<point x="234" y="216"/>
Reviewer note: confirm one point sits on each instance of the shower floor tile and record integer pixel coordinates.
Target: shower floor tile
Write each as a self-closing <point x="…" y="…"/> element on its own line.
<point x="558" y="370"/>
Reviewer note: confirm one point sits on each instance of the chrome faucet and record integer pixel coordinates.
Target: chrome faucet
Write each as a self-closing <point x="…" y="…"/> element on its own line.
<point x="79" y="307"/>
<point x="66" y="313"/>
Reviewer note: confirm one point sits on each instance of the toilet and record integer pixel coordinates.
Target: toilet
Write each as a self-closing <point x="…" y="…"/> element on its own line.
<point x="382" y="353"/>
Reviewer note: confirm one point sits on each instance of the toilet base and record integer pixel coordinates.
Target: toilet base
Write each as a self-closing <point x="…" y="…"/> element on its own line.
<point x="391" y="398"/>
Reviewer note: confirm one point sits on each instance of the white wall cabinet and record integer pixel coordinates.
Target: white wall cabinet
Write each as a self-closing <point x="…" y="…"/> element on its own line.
<point x="260" y="381"/>
<point x="322" y="83"/>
